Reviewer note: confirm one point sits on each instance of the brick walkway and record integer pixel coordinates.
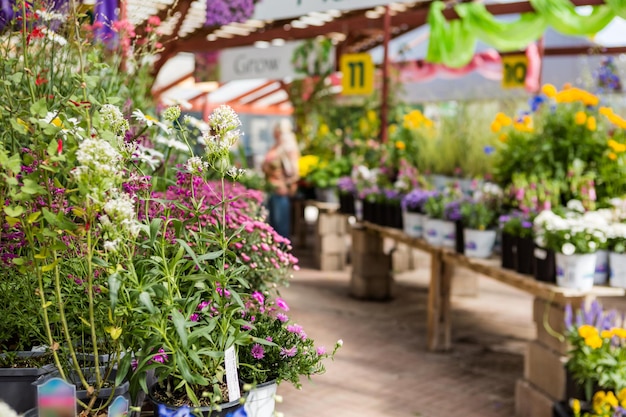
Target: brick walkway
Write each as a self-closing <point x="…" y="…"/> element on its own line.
<point x="384" y="369"/>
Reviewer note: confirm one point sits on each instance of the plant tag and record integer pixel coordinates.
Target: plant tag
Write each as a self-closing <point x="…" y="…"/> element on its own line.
<point x="56" y="398"/>
<point x="540" y="253"/>
<point x="119" y="407"/>
<point x="232" y="379"/>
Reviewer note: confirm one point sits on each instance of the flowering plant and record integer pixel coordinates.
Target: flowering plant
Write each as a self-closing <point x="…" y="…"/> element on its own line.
<point x="283" y="351"/>
<point x="346" y="185"/>
<point x="616" y="237"/>
<point x="415" y="200"/>
<point x="517" y="224"/>
<point x="570" y="232"/>
<point x="434" y="205"/>
<point x="598" y="341"/>
<point x="478" y="215"/>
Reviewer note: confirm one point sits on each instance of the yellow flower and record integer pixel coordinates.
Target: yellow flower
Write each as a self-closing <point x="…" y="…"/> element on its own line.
<point x="605" y="111"/>
<point x="528" y="121"/>
<point x="503" y="137"/>
<point x="549" y="90"/>
<point x="591" y="123"/>
<point x="619" y="332"/>
<point x="57" y="122"/>
<point x="503" y="119"/>
<point x="612" y="156"/>
<point x="393" y="129"/>
<point x="400" y="145"/>
<point x="580" y="118"/>
<point x="306" y="164"/>
<point x="621" y="396"/>
<point x="371" y="116"/>
<point x="23" y="123"/>
<point x="606" y="334"/>
<point x="324" y="129"/>
<point x="575" y="405"/>
<point x="611" y="399"/>
<point x="594" y="341"/>
<point x="495" y="126"/>
<point x="598" y="400"/>
<point x="587" y="330"/>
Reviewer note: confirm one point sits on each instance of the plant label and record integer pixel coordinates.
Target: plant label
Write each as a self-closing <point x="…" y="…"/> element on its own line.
<point x="232" y="378"/>
<point x="56" y="398"/>
<point x="119" y="407"/>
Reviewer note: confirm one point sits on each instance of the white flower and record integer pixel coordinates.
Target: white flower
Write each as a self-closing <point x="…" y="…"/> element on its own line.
<point x="223" y="120"/>
<point x="55" y="37"/>
<point x="149" y="156"/>
<point x="173" y="143"/>
<point x="340" y="342"/>
<point x="576" y="205"/>
<point x="111" y="245"/>
<point x="98" y="158"/>
<point x="53" y="119"/>
<point x="48" y="16"/>
<point x="592" y="245"/>
<point x="113" y="117"/>
<point x="568" y="249"/>
<point x="196" y="165"/>
<point x="121" y="210"/>
<point x="236" y="173"/>
<point x="149" y="120"/>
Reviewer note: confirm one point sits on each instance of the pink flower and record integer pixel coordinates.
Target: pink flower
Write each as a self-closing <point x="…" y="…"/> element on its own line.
<point x="265" y="247"/>
<point x="203" y="305"/>
<point x="258" y="297"/>
<point x="238" y="245"/>
<point x="160" y="358"/>
<point x="282" y="304"/>
<point x="257" y="351"/>
<point x="245" y="257"/>
<point x="294" y="328"/>
<point x="291" y="352"/>
<point x="282" y="317"/>
<point x="194" y="317"/>
<point x="321" y="350"/>
<point x="269" y="338"/>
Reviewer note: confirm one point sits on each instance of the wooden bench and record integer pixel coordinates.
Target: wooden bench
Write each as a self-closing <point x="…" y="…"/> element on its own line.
<point x="545" y="379"/>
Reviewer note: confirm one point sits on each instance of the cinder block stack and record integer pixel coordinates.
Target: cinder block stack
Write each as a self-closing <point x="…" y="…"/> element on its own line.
<point x="545" y="379"/>
<point x="330" y="245"/>
<point x="372" y="277"/>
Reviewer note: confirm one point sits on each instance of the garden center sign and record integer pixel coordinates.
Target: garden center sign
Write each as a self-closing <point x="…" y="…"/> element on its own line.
<point x="284" y="9"/>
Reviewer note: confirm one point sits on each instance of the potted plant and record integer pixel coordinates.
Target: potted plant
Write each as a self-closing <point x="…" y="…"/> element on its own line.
<point x="616" y="237"/>
<point x="575" y="239"/>
<point x="413" y="211"/>
<point x="347" y="189"/>
<point x="517" y="232"/>
<point x="452" y="227"/>
<point x="285" y="353"/>
<point x="434" y="223"/>
<point x="479" y="220"/>
<point x="391" y="208"/>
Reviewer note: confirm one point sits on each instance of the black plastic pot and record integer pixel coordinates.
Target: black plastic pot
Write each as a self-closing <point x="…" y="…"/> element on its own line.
<point x="346" y="203"/>
<point x="394" y="215"/>
<point x="525" y="257"/>
<point x="545" y="265"/>
<point x="459" y="245"/>
<point x="378" y="214"/>
<point x="16" y="384"/>
<point x="509" y="251"/>
<point x="226" y="408"/>
<point x="368" y="211"/>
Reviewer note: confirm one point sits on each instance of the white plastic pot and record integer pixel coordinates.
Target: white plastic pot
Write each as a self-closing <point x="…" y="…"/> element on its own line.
<point x="575" y="271"/>
<point x="433" y="231"/>
<point x="413" y="223"/>
<point x="602" y="268"/>
<point x="617" y="262"/>
<point x="448" y="232"/>
<point x="261" y="400"/>
<point x="479" y="243"/>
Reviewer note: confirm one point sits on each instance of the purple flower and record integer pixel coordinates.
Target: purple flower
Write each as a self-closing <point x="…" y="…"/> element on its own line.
<point x="282" y="304"/>
<point x="258" y="297"/>
<point x="568" y="316"/>
<point x="194" y="317"/>
<point x="161" y="357"/>
<point x="414" y="200"/>
<point x="257" y="351"/>
<point x="282" y="317"/>
<point x="294" y="328"/>
<point x="134" y="364"/>
<point x="488" y="150"/>
<point x="269" y="338"/>
<point x="203" y="305"/>
<point x="291" y="352"/>
<point x="346" y="185"/>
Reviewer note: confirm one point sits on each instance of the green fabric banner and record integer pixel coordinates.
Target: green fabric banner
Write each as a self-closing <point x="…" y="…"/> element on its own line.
<point x="504" y="36"/>
<point x="562" y="16"/>
<point x="618" y="7"/>
<point x="451" y="43"/>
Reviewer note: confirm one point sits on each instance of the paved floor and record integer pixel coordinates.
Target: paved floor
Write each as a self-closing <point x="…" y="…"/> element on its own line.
<point x="384" y="369"/>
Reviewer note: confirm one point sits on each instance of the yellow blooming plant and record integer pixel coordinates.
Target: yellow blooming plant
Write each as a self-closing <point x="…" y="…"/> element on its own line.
<point x="563" y="127"/>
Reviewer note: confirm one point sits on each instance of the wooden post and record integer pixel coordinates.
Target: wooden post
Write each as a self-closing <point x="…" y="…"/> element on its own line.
<point x="434" y="301"/>
<point x="384" y="105"/>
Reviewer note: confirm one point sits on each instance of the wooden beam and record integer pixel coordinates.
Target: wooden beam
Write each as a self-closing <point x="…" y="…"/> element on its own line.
<point x="157" y="93"/>
<point x="266" y="94"/>
<point x="254" y="90"/>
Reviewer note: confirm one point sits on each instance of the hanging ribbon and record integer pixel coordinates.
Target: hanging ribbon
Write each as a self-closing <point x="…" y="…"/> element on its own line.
<point x="563" y="17"/>
<point x="618" y="7"/>
<point x="451" y="43"/>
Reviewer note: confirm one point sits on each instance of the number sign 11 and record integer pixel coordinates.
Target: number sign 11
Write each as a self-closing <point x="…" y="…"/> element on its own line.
<point x="358" y="74"/>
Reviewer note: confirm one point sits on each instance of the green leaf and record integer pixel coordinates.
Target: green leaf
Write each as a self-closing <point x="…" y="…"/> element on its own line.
<point x="14" y="211"/>
<point x="145" y="299"/>
<point x="114" y="288"/>
<point x="210" y="256"/>
<point x="33" y="217"/>
<point x="49" y="267"/>
<point x="32" y="188"/>
<point x="39" y="108"/>
<point x="180" y="325"/>
<point x="122" y="369"/>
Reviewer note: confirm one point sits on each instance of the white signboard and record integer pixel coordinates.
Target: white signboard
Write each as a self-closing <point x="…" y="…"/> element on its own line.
<point x="285" y="9"/>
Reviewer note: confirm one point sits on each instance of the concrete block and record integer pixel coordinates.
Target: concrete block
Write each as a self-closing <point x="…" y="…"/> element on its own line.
<point x="550" y="318"/>
<point x="545" y="369"/>
<point x="364" y="242"/>
<point x="464" y="283"/>
<point x="326" y="244"/>
<point x="373" y="287"/>
<point x="331" y="261"/>
<point x="530" y="401"/>
<point x="331" y="223"/>
<point x="371" y="265"/>
<point x="402" y="259"/>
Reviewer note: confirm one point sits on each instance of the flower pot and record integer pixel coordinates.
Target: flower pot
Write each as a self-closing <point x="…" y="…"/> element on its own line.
<point x="326" y="195"/>
<point x="368" y="211"/>
<point x="525" y="263"/>
<point x="575" y="271"/>
<point x="544" y="264"/>
<point x="448" y="234"/>
<point x="358" y="209"/>
<point x="261" y="401"/>
<point x="433" y="231"/>
<point x="617" y="262"/>
<point x="459" y="237"/>
<point x="509" y="251"/>
<point x="479" y="243"/>
<point x="602" y="268"/>
<point x="226" y="408"/>
<point x="16" y="384"/>
<point x="394" y="213"/>
<point x="413" y="223"/>
<point x="346" y="203"/>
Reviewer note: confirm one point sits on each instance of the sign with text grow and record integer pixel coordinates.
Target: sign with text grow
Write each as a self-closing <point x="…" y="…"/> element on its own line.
<point x="248" y="63"/>
<point x="357" y="74"/>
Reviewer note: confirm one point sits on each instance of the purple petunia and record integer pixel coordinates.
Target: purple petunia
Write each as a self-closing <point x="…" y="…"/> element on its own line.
<point x="257" y="351"/>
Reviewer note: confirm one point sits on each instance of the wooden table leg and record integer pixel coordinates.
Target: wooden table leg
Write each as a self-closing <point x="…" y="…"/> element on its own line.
<point x="446" y="310"/>
<point x="434" y="301"/>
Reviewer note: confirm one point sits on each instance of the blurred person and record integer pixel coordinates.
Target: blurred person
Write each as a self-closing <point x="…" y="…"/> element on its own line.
<point x="281" y="170"/>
